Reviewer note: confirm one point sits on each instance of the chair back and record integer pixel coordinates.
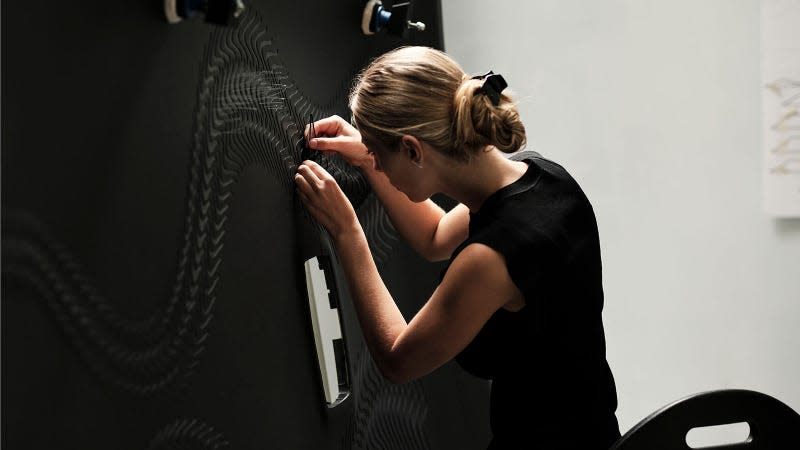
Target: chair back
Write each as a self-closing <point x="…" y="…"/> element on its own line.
<point x="773" y="425"/>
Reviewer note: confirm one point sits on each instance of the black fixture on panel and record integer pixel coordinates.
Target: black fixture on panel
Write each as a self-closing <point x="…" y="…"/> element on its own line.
<point x="395" y="20"/>
<point x="220" y="12"/>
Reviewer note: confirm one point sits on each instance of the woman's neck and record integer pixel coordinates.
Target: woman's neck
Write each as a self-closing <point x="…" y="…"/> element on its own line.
<point x="473" y="182"/>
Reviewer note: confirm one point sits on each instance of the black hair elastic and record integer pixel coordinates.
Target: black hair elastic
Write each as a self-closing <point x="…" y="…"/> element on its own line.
<point x="493" y="84"/>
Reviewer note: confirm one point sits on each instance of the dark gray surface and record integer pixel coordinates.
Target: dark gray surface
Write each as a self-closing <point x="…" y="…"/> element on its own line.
<point x="152" y="288"/>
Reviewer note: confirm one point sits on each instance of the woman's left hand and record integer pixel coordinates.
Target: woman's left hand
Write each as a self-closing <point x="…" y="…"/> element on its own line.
<point x="324" y="199"/>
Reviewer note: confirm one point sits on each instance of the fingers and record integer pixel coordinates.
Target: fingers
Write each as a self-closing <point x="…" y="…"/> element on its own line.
<point x="329" y="144"/>
<point x="319" y="172"/>
<point x="315" y="193"/>
<point x="306" y="179"/>
<point x="330" y="126"/>
<point x="323" y="198"/>
<point x="309" y="203"/>
<point x="312" y="176"/>
<point x="301" y="181"/>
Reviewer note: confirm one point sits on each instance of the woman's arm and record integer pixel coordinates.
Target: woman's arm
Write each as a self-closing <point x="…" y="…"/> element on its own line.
<point x="430" y="231"/>
<point x="474" y="287"/>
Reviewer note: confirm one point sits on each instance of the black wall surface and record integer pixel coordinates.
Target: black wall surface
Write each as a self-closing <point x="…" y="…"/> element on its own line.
<point x="152" y="244"/>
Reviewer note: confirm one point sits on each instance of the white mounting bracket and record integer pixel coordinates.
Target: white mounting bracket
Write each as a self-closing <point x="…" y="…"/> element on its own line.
<point x="327" y="333"/>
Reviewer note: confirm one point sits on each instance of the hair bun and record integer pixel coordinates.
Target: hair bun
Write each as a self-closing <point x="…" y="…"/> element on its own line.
<point x="479" y="123"/>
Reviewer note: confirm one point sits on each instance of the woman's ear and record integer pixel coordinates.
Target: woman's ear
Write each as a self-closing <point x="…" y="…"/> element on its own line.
<point x="412" y="148"/>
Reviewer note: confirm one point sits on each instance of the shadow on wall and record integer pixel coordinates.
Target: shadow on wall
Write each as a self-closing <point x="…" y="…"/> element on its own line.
<point x="787" y="226"/>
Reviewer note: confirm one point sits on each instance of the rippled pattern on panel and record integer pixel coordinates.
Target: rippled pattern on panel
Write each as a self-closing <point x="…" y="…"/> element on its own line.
<point x="248" y="113"/>
<point x="387" y="416"/>
<point x="187" y="434"/>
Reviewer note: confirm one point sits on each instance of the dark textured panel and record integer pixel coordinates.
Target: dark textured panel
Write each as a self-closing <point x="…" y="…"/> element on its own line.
<point x="188" y="434"/>
<point x="153" y="246"/>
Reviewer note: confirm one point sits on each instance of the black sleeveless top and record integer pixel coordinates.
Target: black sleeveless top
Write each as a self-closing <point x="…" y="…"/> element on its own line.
<point x="551" y="386"/>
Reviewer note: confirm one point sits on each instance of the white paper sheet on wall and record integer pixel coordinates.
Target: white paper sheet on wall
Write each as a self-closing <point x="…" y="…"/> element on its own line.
<point x="780" y="74"/>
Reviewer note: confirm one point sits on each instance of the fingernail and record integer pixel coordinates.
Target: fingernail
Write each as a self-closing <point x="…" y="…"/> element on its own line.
<point x="313" y="142"/>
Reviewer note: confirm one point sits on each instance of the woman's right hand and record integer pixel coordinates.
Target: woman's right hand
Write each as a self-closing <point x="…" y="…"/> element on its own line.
<point x="334" y="134"/>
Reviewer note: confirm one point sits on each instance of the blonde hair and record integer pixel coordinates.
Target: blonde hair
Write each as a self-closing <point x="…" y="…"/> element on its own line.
<point x="422" y="92"/>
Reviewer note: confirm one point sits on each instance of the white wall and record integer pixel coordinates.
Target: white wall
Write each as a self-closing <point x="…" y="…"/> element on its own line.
<point x="654" y="107"/>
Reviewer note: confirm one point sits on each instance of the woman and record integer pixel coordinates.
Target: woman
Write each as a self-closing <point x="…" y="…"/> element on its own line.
<point x="520" y="302"/>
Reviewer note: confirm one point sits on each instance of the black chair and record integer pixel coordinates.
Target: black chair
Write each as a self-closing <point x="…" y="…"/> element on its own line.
<point x="773" y="425"/>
